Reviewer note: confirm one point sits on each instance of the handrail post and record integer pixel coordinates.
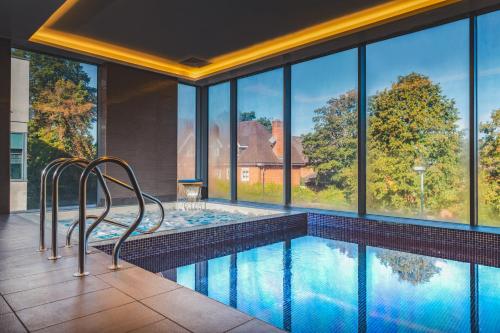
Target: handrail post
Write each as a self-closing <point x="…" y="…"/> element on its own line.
<point x="43" y="199"/>
<point x="55" y="202"/>
<point x="82" y="201"/>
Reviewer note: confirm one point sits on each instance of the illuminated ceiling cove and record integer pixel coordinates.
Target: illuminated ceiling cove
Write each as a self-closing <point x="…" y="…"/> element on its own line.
<point x="339" y="26"/>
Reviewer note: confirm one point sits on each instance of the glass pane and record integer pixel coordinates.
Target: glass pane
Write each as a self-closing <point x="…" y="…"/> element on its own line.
<point x="412" y="293"/>
<point x="219" y="183"/>
<point x="16" y="141"/>
<point x="260" y="137"/>
<point x="54" y="104"/>
<point x="324" y="132"/>
<point x="417" y="88"/>
<point x="488" y="51"/>
<point x="186" y="132"/>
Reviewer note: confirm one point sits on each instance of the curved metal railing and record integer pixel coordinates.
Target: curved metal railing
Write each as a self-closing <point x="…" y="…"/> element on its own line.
<point x="62" y="164"/>
<point x="82" y="193"/>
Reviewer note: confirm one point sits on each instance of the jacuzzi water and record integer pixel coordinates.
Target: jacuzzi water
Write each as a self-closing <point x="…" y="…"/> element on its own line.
<point x="174" y="219"/>
<point x="311" y="284"/>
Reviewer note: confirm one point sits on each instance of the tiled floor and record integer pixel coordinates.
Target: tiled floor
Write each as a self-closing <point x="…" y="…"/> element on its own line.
<point x="41" y="295"/>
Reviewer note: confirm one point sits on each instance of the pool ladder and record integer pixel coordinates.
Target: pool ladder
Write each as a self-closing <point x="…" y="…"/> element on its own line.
<point x="90" y="167"/>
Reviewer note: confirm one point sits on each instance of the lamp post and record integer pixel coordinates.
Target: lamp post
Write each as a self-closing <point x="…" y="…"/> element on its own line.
<point x="420" y="169"/>
<point x="262" y="172"/>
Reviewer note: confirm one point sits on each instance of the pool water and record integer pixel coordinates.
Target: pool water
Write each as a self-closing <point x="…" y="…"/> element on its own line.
<point x="311" y="284"/>
<point x="174" y="219"/>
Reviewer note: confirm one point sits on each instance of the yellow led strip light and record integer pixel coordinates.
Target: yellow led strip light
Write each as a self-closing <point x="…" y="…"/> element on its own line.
<point x="337" y="27"/>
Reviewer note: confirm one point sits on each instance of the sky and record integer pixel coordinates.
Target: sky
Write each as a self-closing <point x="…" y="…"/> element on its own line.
<point x="441" y="53"/>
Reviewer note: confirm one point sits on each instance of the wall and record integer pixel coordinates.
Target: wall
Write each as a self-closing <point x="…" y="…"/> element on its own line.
<point x="138" y="121"/>
<point x="20" y="107"/>
<point x="4" y="126"/>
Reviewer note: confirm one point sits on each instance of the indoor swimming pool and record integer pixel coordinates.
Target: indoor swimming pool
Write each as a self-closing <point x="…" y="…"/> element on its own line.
<point x="313" y="284"/>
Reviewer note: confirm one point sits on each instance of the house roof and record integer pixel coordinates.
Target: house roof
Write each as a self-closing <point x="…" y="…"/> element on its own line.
<point x="256" y="146"/>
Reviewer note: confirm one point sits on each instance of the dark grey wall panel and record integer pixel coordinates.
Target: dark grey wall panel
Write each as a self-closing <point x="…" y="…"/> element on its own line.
<point x="4" y="126"/>
<point x="140" y="124"/>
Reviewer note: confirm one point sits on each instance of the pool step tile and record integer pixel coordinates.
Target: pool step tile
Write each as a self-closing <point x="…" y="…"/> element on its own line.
<point x="71" y="308"/>
<point x="55" y="292"/>
<point x="138" y="283"/>
<point x="196" y="312"/>
<point x="120" y="319"/>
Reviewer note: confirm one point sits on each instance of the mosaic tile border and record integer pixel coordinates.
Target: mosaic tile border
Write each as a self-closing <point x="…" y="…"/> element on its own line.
<point x="456" y="244"/>
<point x="162" y="243"/>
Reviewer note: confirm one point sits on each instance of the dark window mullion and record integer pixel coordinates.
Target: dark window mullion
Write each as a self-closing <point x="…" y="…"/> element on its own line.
<point x="362" y="115"/>
<point x="473" y="137"/>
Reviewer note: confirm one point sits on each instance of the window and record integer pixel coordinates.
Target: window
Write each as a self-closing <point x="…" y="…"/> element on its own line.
<point x="488" y="79"/>
<point x="17" y="156"/>
<point x="260" y="136"/>
<point x="186" y="132"/>
<point x="44" y="128"/>
<point x="324" y="132"/>
<point x="417" y="90"/>
<point x="219" y="142"/>
<point x="245" y="174"/>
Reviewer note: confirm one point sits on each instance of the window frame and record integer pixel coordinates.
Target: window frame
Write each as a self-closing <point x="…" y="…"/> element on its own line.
<point x="362" y="115"/>
<point x="24" y="159"/>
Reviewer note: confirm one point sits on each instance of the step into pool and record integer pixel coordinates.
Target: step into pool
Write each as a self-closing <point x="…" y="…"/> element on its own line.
<point x="312" y="284"/>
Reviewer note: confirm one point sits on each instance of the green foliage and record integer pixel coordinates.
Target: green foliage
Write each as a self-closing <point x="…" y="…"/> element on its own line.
<point x="414" y="124"/>
<point x="489" y="148"/>
<point x="272" y="193"/>
<point x="250" y="115"/>
<point x="327" y="198"/>
<point x="331" y="149"/>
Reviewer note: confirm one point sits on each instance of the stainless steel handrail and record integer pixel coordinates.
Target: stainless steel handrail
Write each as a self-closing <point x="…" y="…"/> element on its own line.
<point x="96" y="223"/>
<point x="55" y="199"/>
<point x="146" y="195"/>
<point x="82" y="163"/>
<point x="82" y="189"/>
<point x="43" y="199"/>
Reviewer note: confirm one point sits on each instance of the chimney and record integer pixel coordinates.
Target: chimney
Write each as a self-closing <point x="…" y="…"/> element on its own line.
<point x="277" y="133"/>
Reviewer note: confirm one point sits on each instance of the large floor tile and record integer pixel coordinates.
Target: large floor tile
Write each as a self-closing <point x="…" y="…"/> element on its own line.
<point x="195" y="311"/>
<point x="36" y="280"/>
<point x="71" y="308"/>
<point x="116" y="320"/>
<point x="55" y="292"/>
<point x="255" y="326"/>
<point x="15" y="270"/>
<point x="4" y="307"/>
<point x="138" y="283"/>
<point x="160" y="327"/>
<point x="10" y="324"/>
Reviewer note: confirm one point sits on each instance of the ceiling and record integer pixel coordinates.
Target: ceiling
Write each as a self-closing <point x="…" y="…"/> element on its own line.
<point x="161" y="35"/>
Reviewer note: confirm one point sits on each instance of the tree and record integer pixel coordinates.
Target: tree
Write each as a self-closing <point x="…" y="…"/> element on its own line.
<point x="64" y="116"/>
<point x="411" y="124"/>
<point x="331" y="148"/>
<point x="489" y="148"/>
<point x="62" y="112"/>
<point x="250" y="115"/>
